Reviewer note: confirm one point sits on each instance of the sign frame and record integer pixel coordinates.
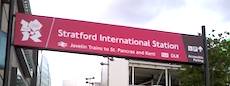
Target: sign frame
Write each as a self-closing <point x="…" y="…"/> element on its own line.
<point x="99" y="39"/>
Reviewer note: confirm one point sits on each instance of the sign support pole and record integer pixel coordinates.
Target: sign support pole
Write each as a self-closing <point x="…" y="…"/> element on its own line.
<point x="206" y="65"/>
<point x="8" y="45"/>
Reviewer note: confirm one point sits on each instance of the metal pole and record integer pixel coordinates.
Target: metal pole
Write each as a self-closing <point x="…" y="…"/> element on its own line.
<point x="1" y="2"/>
<point x="170" y="79"/>
<point x="152" y="81"/>
<point x="35" y="59"/>
<point x="133" y="75"/>
<point x="8" y="45"/>
<point x="159" y="79"/>
<point x="206" y="65"/>
<point x="89" y="81"/>
<point x="108" y="72"/>
<point x="166" y="77"/>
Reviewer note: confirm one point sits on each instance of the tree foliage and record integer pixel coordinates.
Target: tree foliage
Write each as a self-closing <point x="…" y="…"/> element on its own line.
<point x="219" y="63"/>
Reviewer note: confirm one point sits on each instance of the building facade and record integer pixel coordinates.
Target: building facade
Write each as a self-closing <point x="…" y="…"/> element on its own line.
<point x="128" y="72"/>
<point x="43" y="75"/>
<point x="23" y="62"/>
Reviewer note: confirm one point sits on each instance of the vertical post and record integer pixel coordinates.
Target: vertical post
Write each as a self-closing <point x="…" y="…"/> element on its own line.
<point x="13" y="78"/>
<point x="133" y="75"/>
<point x="35" y="59"/>
<point x="206" y="64"/>
<point x="170" y="79"/>
<point x="152" y="81"/>
<point x="8" y="44"/>
<point x="108" y="72"/>
<point x="1" y="8"/>
<point x="89" y="81"/>
<point x="166" y="77"/>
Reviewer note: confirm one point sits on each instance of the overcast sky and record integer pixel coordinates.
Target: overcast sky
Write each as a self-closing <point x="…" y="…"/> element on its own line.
<point x="180" y="16"/>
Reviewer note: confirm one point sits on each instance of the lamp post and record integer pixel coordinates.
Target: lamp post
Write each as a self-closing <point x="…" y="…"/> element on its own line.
<point x="88" y="80"/>
<point x="109" y="59"/>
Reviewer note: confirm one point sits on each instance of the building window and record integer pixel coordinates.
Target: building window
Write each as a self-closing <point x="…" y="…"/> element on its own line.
<point x="2" y="49"/>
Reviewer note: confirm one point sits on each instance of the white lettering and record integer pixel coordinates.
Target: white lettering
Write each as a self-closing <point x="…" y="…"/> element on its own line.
<point x="77" y="35"/>
<point x="80" y="46"/>
<point x="60" y="32"/>
<point x="126" y="51"/>
<point x="95" y="47"/>
<point x="150" y="53"/>
<point x="165" y="45"/>
<point x="129" y="41"/>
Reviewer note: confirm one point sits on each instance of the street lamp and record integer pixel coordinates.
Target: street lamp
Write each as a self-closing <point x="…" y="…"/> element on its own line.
<point x="88" y="80"/>
<point x="109" y="59"/>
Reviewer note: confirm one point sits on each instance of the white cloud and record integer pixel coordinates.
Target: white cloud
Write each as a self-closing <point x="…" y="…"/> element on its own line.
<point x="137" y="11"/>
<point x="72" y="9"/>
<point x="218" y="6"/>
<point x="188" y="20"/>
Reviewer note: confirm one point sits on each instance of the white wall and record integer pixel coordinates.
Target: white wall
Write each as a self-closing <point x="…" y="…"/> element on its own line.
<point x="119" y="72"/>
<point x="69" y="83"/>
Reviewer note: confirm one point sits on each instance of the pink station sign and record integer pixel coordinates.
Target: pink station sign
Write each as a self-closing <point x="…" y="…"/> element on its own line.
<point x="104" y="39"/>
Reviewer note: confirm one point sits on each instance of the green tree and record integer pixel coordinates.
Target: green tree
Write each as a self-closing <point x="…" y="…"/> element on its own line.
<point x="219" y="63"/>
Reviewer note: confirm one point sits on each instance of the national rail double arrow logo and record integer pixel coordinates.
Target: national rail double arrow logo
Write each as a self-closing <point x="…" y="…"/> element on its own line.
<point x="31" y="30"/>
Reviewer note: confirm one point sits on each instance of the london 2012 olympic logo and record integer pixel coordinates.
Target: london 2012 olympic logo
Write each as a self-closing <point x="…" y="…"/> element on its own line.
<point x="31" y="30"/>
